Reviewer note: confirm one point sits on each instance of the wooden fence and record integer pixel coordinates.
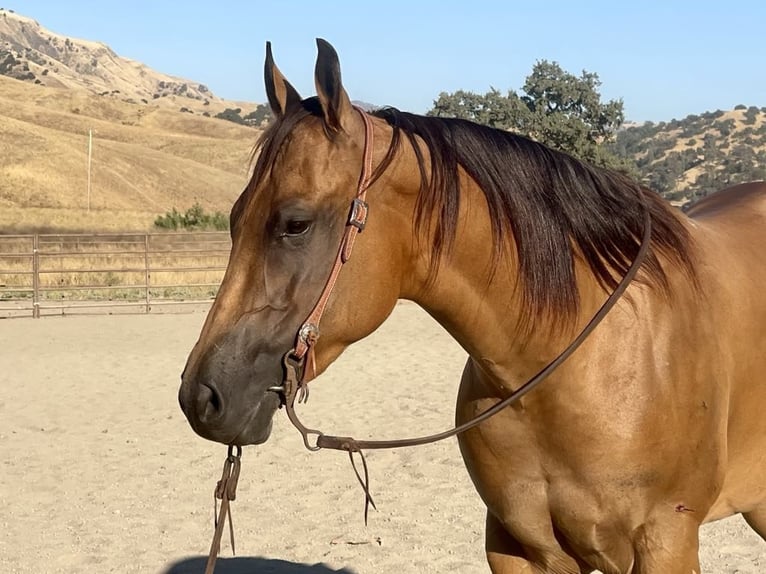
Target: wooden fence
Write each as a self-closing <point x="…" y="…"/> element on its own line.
<point x="99" y="273"/>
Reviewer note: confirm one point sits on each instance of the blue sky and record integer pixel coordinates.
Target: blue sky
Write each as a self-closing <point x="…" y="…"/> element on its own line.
<point x="664" y="59"/>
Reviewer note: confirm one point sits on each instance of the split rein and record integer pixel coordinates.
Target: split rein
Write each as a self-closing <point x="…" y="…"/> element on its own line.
<point x="296" y="361"/>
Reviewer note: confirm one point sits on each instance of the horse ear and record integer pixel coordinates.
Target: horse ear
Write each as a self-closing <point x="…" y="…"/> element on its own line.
<point x="281" y="94"/>
<point x="335" y="102"/>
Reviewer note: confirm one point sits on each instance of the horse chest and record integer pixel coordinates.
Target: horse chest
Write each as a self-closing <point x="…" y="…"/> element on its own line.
<point x="556" y="521"/>
<point x="551" y="504"/>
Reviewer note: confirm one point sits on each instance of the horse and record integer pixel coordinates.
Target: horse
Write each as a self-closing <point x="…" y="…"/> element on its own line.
<point x="652" y="427"/>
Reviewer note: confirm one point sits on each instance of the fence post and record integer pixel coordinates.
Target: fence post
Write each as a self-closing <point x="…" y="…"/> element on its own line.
<point x="35" y="277"/>
<point x="146" y="271"/>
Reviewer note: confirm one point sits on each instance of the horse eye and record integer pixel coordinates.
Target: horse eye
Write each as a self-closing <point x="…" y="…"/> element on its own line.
<point x="296" y="227"/>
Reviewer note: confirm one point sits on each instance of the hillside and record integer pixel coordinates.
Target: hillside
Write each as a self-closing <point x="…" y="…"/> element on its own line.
<point x="34" y="54"/>
<point x="146" y="160"/>
<point x="148" y="156"/>
<point x="690" y="158"/>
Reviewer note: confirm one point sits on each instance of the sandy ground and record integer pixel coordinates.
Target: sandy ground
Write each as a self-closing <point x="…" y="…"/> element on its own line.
<point x="101" y="473"/>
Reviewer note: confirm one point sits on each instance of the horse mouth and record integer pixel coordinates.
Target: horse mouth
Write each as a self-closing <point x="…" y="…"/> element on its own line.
<point x="236" y="423"/>
<point x="252" y="432"/>
<point x="259" y="423"/>
<point x="250" y="436"/>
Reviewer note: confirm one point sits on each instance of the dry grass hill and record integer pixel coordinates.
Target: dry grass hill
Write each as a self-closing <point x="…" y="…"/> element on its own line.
<point x="148" y="156"/>
<point x="700" y="154"/>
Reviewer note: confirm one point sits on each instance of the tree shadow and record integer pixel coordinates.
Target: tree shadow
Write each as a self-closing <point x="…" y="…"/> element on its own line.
<point x="250" y="565"/>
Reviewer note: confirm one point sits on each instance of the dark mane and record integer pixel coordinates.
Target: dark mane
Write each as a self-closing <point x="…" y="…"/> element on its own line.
<point x="556" y="207"/>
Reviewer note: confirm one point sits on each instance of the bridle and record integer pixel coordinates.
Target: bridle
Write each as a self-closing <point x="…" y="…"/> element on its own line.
<point x="301" y="356"/>
<point x="296" y="359"/>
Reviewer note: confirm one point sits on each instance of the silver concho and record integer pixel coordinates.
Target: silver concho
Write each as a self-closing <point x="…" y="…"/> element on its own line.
<point x="309" y="333"/>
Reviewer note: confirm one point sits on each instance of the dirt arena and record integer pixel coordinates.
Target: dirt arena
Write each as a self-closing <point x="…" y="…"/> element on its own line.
<point x="101" y="473"/>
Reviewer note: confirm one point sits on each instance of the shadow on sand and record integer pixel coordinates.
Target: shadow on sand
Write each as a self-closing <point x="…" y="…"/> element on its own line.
<point x="250" y="565"/>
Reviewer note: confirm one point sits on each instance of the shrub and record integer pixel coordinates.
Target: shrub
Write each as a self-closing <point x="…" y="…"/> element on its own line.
<point x="194" y="219"/>
<point x="232" y="115"/>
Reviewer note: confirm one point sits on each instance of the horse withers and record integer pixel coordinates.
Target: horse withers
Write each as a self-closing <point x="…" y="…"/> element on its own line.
<point x="651" y="428"/>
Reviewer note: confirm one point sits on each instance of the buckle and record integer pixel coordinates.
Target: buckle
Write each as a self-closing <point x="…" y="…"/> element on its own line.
<point x="358" y="215"/>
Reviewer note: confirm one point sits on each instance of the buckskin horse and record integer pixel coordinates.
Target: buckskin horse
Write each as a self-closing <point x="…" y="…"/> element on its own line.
<point x="653" y="426"/>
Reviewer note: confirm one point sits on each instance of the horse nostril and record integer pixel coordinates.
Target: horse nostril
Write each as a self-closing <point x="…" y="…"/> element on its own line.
<point x="209" y="403"/>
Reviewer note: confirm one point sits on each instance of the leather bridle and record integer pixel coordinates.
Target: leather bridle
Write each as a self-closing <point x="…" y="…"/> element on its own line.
<point x="302" y="355"/>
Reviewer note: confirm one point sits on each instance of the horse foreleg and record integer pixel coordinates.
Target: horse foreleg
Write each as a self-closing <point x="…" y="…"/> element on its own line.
<point x="506" y="556"/>
<point x="669" y="545"/>
<point x="756" y="518"/>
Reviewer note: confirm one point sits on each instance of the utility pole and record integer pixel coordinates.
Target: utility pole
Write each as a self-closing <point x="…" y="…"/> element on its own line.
<point x="90" y="157"/>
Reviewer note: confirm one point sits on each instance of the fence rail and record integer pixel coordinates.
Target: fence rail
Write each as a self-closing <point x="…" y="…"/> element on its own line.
<point x="45" y="274"/>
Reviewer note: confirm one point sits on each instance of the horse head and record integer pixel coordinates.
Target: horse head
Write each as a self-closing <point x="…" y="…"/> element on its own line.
<point x="286" y="228"/>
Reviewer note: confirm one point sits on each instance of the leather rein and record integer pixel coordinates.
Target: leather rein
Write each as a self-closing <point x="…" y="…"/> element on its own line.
<point x="297" y="359"/>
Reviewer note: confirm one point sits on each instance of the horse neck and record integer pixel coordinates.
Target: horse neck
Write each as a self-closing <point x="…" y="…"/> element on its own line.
<point x="477" y="299"/>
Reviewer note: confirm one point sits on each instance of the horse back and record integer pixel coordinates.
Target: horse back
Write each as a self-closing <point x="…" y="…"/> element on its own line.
<point x="741" y="204"/>
<point x="729" y="228"/>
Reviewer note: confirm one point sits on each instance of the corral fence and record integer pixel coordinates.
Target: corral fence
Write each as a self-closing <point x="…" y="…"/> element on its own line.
<point x="59" y="274"/>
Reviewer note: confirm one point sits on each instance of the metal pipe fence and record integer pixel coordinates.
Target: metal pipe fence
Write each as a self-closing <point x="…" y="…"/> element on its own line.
<point x="59" y="274"/>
